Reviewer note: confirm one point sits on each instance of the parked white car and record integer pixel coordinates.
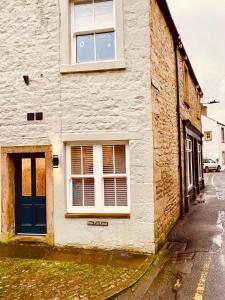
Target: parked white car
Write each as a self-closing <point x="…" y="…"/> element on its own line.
<point x="210" y="165"/>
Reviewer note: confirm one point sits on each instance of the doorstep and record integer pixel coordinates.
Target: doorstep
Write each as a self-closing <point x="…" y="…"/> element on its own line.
<point x="27" y="239"/>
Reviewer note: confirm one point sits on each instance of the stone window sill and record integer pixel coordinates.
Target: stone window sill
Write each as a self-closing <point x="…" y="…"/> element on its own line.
<point x="91" y="67"/>
<point x="97" y="216"/>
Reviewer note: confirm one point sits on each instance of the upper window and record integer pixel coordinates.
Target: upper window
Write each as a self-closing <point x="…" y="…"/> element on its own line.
<point x="208" y="135"/>
<point x="186" y="86"/>
<point x="98" y="178"/>
<point x="92" y="35"/>
<point x="222" y="135"/>
<point x="223" y="157"/>
<point x="93" y="31"/>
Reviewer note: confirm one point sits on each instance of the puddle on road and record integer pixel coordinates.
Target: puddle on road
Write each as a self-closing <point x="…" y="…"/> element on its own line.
<point x="222" y="260"/>
<point x="218" y="239"/>
<point x="220" y="195"/>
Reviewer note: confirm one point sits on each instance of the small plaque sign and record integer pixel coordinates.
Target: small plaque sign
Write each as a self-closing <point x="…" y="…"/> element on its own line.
<point x="97" y="223"/>
<point x="156" y="85"/>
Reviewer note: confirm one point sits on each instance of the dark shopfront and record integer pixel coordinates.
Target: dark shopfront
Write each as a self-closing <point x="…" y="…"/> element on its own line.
<point x="194" y="181"/>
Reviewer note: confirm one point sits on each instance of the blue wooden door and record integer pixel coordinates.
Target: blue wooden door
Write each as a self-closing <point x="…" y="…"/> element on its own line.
<point x="30" y="194"/>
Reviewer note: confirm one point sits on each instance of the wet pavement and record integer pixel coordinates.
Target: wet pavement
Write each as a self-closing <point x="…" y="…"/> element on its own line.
<point x="30" y="271"/>
<point x="198" y="272"/>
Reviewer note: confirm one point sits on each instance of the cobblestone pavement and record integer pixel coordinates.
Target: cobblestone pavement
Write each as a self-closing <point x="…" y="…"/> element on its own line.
<point x="61" y="275"/>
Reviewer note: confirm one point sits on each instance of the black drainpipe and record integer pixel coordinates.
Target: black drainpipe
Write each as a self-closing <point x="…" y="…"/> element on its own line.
<point x="176" y="45"/>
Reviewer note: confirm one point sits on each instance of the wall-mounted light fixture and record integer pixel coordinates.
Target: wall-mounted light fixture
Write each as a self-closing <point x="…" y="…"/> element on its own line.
<point x="55" y="161"/>
<point x="26" y="79"/>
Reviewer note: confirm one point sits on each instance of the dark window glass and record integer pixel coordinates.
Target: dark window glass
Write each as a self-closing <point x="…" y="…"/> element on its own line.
<point x="85" y="48"/>
<point x="105" y="46"/>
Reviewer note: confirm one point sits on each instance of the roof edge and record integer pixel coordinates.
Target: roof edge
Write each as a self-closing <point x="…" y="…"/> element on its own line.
<point x="177" y="40"/>
<point x="219" y="123"/>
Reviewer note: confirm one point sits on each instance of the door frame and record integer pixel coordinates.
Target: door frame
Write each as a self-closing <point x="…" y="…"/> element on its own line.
<point x="20" y="198"/>
<point x="8" y="189"/>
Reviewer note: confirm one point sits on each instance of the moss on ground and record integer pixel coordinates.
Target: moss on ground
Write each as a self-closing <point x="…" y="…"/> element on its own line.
<point x="43" y="279"/>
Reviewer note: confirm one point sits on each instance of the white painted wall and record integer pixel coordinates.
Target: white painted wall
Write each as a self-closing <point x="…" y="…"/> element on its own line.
<point x="213" y="149"/>
<point x="104" y="104"/>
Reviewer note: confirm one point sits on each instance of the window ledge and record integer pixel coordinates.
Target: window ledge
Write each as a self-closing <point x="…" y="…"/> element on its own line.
<point x="97" y="216"/>
<point x="95" y="66"/>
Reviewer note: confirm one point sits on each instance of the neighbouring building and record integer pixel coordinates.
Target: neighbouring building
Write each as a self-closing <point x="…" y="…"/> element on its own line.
<point x="214" y="139"/>
<point x="101" y="142"/>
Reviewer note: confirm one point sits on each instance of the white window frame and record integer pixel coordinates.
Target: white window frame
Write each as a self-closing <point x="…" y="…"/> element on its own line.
<point x="188" y="171"/>
<point x="199" y="161"/>
<point x="208" y="139"/>
<point x="93" y="30"/>
<point x="98" y="180"/>
<point x="68" y="62"/>
<point x="223" y="157"/>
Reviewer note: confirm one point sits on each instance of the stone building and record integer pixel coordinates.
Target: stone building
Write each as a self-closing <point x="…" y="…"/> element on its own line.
<point x="100" y="123"/>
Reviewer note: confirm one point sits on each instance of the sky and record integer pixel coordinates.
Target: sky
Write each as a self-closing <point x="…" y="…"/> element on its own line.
<point x="201" y="24"/>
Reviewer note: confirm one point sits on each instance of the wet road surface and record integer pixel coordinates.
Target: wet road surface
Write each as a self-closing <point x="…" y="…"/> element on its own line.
<point x="198" y="272"/>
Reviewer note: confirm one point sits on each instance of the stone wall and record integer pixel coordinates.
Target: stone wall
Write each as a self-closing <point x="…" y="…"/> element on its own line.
<point x="164" y="101"/>
<point x="166" y="176"/>
<point x="193" y="112"/>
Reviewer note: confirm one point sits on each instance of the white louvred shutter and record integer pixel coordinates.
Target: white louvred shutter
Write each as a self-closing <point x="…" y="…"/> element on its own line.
<point x="120" y="159"/>
<point x="87" y="159"/>
<point x="89" y="192"/>
<point x="121" y="191"/>
<point x="82" y="164"/>
<point x="109" y="192"/>
<point x="108" y="167"/>
<point x="114" y="164"/>
<point x="76" y="160"/>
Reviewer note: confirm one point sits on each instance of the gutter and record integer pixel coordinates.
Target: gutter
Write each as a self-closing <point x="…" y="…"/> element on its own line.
<point x="176" y="49"/>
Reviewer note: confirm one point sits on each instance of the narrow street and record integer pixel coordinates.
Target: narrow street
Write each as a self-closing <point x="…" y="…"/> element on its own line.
<point x="198" y="272"/>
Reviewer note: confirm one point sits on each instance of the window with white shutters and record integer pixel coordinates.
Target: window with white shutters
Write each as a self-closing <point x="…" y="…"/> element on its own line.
<point x="82" y="176"/>
<point x="114" y="173"/>
<point x="98" y="178"/>
<point x="189" y="163"/>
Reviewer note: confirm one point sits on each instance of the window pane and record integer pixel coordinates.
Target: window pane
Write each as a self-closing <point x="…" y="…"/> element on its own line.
<point x="108" y="160"/>
<point x="120" y="160"/>
<point x="76" y="160"/>
<point x="84" y="16"/>
<point x="109" y="191"/>
<point x="40" y="176"/>
<point x="103" y="14"/>
<point x="77" y="192"/>
<point x="89" y="192"/>
<point x="87" y="160"/>
<point x="85" y="48"/>
<point x="190" y="168"/>
<point x="121" y="191"/>
<point x="105" y="48"/>
<point x="26" y="177"/>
